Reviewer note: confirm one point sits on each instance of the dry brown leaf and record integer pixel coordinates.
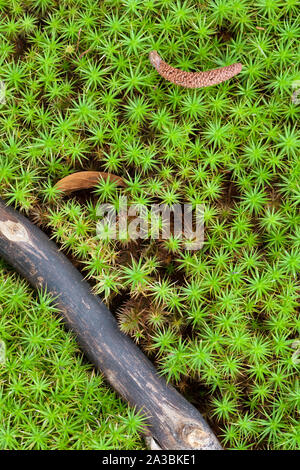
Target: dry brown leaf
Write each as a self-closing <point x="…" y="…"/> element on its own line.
<point x="86" y="180"/>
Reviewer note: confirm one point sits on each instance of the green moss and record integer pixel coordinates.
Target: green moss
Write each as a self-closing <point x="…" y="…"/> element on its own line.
<point x="50" y="397"/>
<point x="220" y="323"/>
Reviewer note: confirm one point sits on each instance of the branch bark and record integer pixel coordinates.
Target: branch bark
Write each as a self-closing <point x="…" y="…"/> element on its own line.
<point x="173" y="423"/>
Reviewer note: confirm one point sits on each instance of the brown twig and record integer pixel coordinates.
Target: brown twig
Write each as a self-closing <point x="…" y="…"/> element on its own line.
<point x="172" y="423"/>
<point x="79" y="33"/>
<point x="85" y="52"/>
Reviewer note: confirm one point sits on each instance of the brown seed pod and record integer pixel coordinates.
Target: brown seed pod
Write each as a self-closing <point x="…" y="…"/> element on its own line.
<point x="193" y="79"/>
<point x="86" y="180"/>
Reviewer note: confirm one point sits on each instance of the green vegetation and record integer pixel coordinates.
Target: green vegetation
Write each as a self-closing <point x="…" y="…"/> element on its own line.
<point x="50" y="398"/>
<point x="220" y="323"/>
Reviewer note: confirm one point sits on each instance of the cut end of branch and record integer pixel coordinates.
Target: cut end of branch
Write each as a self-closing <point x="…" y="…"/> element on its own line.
<point x="198" y="439"/>
<point x="14" y="231"/>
